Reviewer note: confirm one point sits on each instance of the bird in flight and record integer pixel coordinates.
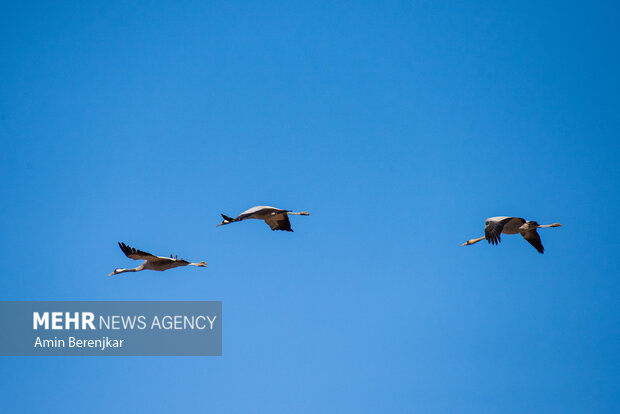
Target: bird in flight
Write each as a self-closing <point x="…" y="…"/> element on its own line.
<point x="276" y="218"/>
<point x="152" y="262"/>
<point x="495" y="226"/>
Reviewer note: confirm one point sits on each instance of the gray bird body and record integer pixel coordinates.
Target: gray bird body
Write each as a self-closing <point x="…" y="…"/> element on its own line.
<point x="276" y="218"/>
<point x="260" y="213"/>
<point x="151" y="262"/>
<point x="495" y="226"/>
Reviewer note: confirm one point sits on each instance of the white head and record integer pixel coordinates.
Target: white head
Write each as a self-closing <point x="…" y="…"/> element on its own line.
<point x="227" y="220"/>
<point x="472" y="241"/>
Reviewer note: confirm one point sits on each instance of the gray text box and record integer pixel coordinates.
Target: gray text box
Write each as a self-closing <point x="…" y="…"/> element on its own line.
<point x="111" y="328"/>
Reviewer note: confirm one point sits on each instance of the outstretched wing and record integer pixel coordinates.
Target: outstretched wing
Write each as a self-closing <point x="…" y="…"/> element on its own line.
<point x="493" y="229"/>
<point x="533" y="238"/>
<point x="258" y="212"/>
<point x="279" y="222"/>
<point x="136" y="254"/>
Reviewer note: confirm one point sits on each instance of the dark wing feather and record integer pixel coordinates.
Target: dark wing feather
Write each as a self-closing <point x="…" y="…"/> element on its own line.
<point x="136" y="254"/>
<point x="279" y="222"/>
<point x="493" y="229"/>
<point x="533" y="238"/>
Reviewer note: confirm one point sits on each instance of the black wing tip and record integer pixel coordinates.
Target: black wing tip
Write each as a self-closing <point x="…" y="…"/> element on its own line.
<point x="124" y="248"/>
<point x="494" y="240"/>
<point x="128" y="250"/>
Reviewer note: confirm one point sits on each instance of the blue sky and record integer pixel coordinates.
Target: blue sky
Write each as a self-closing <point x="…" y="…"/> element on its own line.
<point x="400" y="126"/>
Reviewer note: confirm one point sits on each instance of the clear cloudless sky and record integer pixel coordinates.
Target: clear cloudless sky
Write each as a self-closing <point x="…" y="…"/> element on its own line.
<point x="400" y="126"/>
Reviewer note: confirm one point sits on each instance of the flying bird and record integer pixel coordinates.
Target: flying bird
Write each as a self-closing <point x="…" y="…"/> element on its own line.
<point x="276" y="218"/>
<point x="152" y="262"/>
<point x="495" y="226"/>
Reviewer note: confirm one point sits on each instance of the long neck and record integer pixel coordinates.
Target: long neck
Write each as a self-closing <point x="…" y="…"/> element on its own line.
<point x="550" y="225"/>
<point x="137" y="269"/>
<point x="129" y="270"/>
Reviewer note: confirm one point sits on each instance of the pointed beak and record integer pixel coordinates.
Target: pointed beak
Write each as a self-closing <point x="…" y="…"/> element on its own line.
<point x="464" y="244"/>
<point x="219" y="225"/>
